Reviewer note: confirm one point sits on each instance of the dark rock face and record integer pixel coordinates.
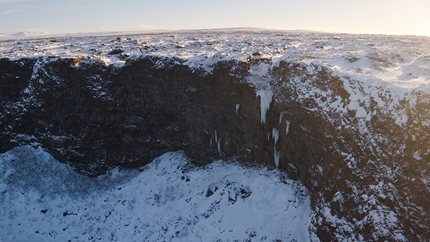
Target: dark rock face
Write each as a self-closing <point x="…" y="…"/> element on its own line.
<point x="96" y="117"/>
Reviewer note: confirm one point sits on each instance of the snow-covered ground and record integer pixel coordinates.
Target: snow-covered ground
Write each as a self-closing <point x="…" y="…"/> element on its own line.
<point x="401" y="61"/>
<point x="167" y="200"/>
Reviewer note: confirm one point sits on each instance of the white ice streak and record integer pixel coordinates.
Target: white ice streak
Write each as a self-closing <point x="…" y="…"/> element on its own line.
<point x="276" y="153"/>
<point x="218" y="142"/>
<point x="265" y="100"/>
<point x="287" y="126"/>
<point x="275" y="135"/>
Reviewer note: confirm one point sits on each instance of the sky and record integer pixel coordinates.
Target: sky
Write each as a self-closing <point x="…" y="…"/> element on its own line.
<point x="347" y="16"/>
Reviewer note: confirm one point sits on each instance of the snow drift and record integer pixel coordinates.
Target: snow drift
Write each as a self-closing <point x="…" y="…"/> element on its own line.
<point x="170" y="199"/>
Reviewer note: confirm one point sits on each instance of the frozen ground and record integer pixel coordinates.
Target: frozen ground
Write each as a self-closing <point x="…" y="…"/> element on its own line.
<point x="167" y="200"/>
<point x="401" y="61"/>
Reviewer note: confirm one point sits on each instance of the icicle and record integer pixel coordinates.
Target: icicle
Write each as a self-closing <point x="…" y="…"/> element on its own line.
<point x="280" y="118"/>
<point x="287" y="127"/>
<point x="265" y="100"/>
<point x="218" y="142"/>
<point x="237" y="107"/>
<point x="275" y="135"/>
<point x="276" y="155"/>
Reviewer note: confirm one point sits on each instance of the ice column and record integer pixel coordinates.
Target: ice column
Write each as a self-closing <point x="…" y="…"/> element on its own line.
<point x="218" y="144"/>
<point x="276" y="156"/>
<point x="265" y="100"/>
<point x="275" y="136"/>
<point x="287" y="127"/>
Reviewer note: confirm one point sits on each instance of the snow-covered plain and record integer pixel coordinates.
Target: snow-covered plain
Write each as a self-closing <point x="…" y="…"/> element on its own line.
<point x="401" y="61"/>
<point x="167" y="200"/>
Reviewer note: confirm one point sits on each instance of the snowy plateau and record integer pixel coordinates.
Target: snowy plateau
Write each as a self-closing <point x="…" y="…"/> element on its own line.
<point x="215" y="135"/>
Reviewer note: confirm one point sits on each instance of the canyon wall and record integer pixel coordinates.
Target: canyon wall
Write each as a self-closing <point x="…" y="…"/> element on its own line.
<point x="367" y="174"/>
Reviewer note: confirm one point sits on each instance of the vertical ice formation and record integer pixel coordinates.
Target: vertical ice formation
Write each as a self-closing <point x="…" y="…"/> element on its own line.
<point x="280" y="118"/>
<point x="237" y="107"/>
<point x="287" y="127"/>
<point x="265" y="100"/>
<point x="275" y="136"/>
<point x="218" y="143"/>
<point x="276" y="156"/>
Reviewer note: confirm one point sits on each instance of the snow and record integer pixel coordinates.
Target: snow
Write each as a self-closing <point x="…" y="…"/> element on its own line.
<point x="417" y="155"/>
<point x="26" y="34"/>
<point x="166" y="200"/>
<point x="401" y="61"/>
